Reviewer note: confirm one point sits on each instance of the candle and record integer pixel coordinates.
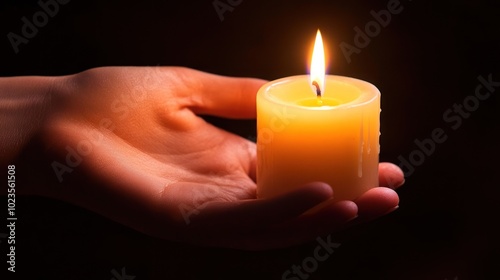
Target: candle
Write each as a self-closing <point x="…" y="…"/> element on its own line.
<point x="317" y="128"/>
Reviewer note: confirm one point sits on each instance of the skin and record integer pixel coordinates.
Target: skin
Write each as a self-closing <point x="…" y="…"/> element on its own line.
<point x="128" y="143"/>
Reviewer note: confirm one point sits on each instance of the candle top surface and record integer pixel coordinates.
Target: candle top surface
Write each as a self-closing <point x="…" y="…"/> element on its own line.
<point x="340" y="93"/>
<point x="318" y="102"/>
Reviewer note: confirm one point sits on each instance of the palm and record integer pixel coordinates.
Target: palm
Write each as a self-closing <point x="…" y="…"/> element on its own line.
<point x="158" y="167"/>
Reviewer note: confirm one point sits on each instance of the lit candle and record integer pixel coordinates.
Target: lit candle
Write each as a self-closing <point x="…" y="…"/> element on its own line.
<point x="318" y="128"/>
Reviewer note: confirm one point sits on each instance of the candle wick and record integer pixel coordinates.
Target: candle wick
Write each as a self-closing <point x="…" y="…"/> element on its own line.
<point x="318" y="90"/>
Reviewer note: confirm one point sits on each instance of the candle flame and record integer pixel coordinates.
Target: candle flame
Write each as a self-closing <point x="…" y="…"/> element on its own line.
<point x="317" y="74"/>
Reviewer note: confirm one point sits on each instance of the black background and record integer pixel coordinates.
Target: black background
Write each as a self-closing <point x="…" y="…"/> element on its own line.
<point x="424" y="61"/>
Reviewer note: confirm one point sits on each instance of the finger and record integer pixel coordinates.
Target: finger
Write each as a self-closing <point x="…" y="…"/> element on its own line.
<point x="253" y="168"/>
<point x="246" y="152"/>
<point x="298" y="230"/>
<point x="390" y="175"/>
<point x="301" y="229"/>
<point x="217" y="95"/>
<point x="331" y="217"/>
<point x="263" y="212"/>
<point x="375" y="203"/>
<point x="252" y="158"/>
<point x="278" y="222"/>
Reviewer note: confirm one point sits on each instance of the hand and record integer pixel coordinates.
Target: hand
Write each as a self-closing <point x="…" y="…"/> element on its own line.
<point x="127" y="142"/>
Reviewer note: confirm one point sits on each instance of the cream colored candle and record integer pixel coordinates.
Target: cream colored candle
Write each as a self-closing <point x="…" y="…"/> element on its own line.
<point x="302" y="138"/>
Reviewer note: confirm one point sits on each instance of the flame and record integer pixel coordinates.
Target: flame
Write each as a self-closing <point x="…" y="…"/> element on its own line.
<point x="317" y="73"/>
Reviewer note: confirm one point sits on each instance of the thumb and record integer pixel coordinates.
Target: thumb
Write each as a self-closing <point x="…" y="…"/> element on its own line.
<point x="220" y="96"/>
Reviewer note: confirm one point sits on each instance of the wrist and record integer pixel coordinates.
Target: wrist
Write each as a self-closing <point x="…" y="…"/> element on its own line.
<point x="25" y="105"/>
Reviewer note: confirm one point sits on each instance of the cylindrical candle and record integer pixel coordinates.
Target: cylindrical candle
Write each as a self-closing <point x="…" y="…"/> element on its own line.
<point x="302" y="138"/>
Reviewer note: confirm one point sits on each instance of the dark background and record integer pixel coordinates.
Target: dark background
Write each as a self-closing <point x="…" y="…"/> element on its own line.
<point x="424" y="61"/>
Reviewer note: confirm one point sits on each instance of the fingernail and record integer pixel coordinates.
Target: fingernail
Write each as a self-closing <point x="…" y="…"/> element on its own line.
<point x="402" y="183"/>
<point x="351" y="219"/>
<point x="391" y="210"/>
